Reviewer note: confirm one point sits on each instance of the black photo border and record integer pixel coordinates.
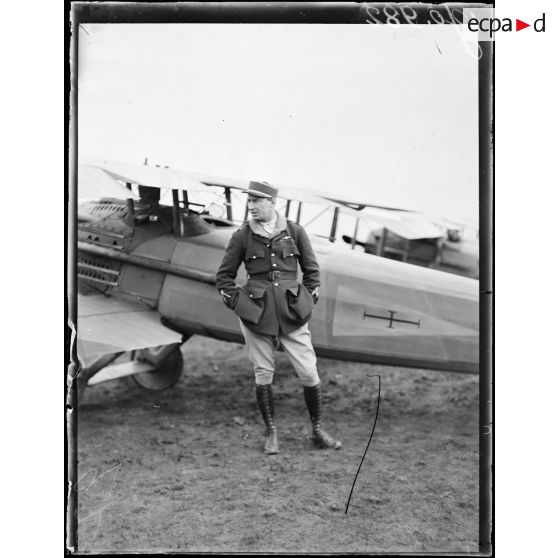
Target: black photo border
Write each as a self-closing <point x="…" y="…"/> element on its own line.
<point x="77" y="13"/>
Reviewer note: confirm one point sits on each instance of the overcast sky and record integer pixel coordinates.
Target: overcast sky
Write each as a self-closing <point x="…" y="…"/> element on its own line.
<point x="376" y="113"/>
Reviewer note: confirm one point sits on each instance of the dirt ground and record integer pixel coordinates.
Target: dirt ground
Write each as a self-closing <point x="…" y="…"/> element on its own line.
<point x="183" y="470"/>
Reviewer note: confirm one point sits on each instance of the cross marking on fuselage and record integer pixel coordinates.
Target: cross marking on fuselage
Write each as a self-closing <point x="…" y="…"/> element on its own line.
<point x="390" y="318"/>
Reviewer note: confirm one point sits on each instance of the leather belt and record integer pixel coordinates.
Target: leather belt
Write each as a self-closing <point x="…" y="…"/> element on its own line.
<point x="274" y="275"/>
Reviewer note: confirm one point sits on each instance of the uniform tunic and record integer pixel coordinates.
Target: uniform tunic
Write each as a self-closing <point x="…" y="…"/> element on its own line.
<point x="272" y="302"/>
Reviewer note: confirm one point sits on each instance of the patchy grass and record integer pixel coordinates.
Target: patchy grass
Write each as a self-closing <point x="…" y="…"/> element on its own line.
<point x="183" y="470"/>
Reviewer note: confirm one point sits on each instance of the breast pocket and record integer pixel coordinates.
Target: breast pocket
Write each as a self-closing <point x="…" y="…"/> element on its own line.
<point x="289" y="252"/>
<point x="250" y="304"/>
<point x="255" y="261"/>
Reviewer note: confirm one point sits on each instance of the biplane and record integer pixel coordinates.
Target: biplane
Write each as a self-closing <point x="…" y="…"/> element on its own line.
<point x="146" y="284"/>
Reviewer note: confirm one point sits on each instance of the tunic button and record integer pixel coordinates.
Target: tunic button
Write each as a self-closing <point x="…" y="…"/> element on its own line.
<point x="276" y="284"/>
<point x="251" y="296"/>
<point x="273" y="254"/>
<point x="253" y="257"/>
<point x="274" y="265"/>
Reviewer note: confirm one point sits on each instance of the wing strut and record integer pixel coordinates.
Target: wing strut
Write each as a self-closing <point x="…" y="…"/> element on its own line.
<point x="229" y="203"/>
<point x="334" y="225"/>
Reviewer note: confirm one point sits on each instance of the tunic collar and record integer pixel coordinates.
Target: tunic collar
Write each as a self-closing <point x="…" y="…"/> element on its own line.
<point x="280" y="226"/>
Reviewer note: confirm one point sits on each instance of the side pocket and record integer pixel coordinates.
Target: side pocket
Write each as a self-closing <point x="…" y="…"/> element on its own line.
<point x="250" y="304"/>
<point x="300" y="301"/>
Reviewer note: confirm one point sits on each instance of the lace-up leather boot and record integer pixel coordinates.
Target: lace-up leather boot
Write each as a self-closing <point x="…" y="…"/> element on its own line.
<point x="264" y="395"/>
<point x="313" y="398"/>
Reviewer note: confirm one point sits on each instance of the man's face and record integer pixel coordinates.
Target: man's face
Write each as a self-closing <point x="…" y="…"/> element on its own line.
<point x="261" y="209"/>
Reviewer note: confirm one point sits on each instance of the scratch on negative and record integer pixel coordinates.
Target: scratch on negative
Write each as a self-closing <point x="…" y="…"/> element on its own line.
<point x="74" y="363"/>
<point x="73" y="335"/>
<point x="369" y="440"/>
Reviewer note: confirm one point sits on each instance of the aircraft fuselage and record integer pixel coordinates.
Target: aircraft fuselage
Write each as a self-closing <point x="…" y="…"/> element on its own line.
<point x="371" y="309"/>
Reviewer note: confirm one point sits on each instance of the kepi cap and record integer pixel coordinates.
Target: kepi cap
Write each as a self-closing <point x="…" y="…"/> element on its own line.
<point x="261" y="189"/>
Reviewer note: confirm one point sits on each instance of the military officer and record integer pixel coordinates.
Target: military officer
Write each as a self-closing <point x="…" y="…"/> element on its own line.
<point x="273" y="307"/>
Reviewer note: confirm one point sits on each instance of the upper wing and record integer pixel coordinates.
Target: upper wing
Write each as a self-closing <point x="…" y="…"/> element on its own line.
<point x="111" y="325"/>
<point x="161" y="177"/>
<point x="292" y="193"/>
<point x="158" y="177"/>
<point x="94" y="182"/>
<point x="359" y="204"/>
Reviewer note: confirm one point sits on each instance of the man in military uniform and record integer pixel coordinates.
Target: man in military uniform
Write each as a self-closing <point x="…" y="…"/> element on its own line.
<point x="273" y="307"/>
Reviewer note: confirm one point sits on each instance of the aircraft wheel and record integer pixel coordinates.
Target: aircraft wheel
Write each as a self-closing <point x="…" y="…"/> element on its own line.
<point x="165" y="376"/>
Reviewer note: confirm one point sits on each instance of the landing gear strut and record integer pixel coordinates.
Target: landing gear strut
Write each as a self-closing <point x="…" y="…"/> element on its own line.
<point x="155" y="368"/>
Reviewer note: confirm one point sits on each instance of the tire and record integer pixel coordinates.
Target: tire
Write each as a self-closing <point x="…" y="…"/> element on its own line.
<point x="165" y="376"/>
